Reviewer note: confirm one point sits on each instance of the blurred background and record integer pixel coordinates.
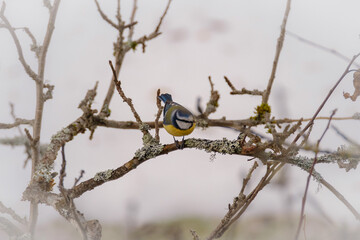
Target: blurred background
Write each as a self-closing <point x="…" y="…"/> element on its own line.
<point x="199" y="39"/>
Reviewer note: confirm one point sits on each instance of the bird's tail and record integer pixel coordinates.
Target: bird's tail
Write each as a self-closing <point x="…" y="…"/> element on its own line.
<point x="165" y="97"/>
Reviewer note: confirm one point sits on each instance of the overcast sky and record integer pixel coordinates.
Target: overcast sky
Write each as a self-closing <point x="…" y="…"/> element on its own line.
<point x="199" y="38"/>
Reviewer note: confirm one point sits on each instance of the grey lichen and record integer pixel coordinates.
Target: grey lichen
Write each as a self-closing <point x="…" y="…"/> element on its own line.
<point x="149" y="151"/>
<point x="15" y="141"/>
<point x="202" y="123"/>
<point x="306" y="163"/>
<point x="60" y="137"/>
<point x="348" y="157"/>
<point x="356" y="115"/>
<point x="144" y="127"/>
<point x="149" y="140"/>
<point x="103" y="176"/>
<point x="44" y="172"/>
<point x="223" y="146"/>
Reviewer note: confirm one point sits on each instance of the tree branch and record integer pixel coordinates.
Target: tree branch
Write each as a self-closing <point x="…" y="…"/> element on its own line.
<point x="11" y="30"/>
<point x="279" y="46"/>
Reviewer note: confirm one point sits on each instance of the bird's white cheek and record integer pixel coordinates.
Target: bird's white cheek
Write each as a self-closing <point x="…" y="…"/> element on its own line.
<point x="183" y="125"/>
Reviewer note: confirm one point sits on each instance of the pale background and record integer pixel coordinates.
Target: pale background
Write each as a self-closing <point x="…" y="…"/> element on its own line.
<point x="200" y="38"/>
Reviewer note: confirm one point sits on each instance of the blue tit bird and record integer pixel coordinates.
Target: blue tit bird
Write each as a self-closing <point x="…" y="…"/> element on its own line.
<point x="178" y="121"/>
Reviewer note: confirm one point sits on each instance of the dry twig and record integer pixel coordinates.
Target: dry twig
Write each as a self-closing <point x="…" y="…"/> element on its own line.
<point x="324" y="101"/>
<point x="127" y="100"/>
<point x="243" y="91"/>
<point x="309" y="176"/>
<point x="279" y="46"/>
<point x="319" y="46"/>
<point x="158" y="114"/>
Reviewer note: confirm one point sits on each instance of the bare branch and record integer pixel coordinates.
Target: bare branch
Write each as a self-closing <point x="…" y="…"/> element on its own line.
<point x="279" y="46"/>
<point x="352" y="142"/>
<point x="12" y="230"/>
<point x="127" y="100"/>
<point x="18" y="122"/>
<point x="132" y="21"/>
<point x="243" y="91"/>
<point x="105" y="17"/>
<point x="12" y="213"/>
<point x="309" y="176"/>
<point x="158" y="114"/>
<point x="43" y="176"/>
<point x="319" y="46"/>
<point x="152" y="35"/>
<point x="341" y="198"/>
<point x="62" y="170"/>
<point x="241" y="202"/>
<point x="212" y="104"/>
<point x="157" y="29"/>
<point x="325" y="100"/>
<point x="118" y="13"/>
<point x="77" y="180"/>
<point x="11" y="30"/>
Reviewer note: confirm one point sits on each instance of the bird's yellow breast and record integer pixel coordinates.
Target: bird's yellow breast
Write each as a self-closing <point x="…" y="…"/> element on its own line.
<point x="178" y="132"/>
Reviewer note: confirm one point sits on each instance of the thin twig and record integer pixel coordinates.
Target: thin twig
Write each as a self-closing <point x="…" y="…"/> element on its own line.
<point x="11" y="30"/>
<point x="104" y="16"/>
<point x="27" y="146"/>
<point x="234" y="124"/>
<point x="132" y="20"/>
<point x="324" y="101"/>
<point x="345" y="137"/>
<point x="12" y="213"/>
<point x="18" y="122"/>
<point x="158" y="114"/>
<point x="69" y="201"/>
<point x="118" y="13"/>
<point x="326" y="49"/>
<point x="243" y="91"/>
<point x="152" y="35"/>
<point x="77" y="180"/>
<point x="309" y="177"/>
<point x="279" y="46"/>
<point x="126" y="99"/>
<point x="34" y="46"/>
<point x="63" y="167"/>
<point x="341" y="198"/>
<point x="212" y="104"/>
<point x="157" y="29"/>
<point x="242" y="202"/>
